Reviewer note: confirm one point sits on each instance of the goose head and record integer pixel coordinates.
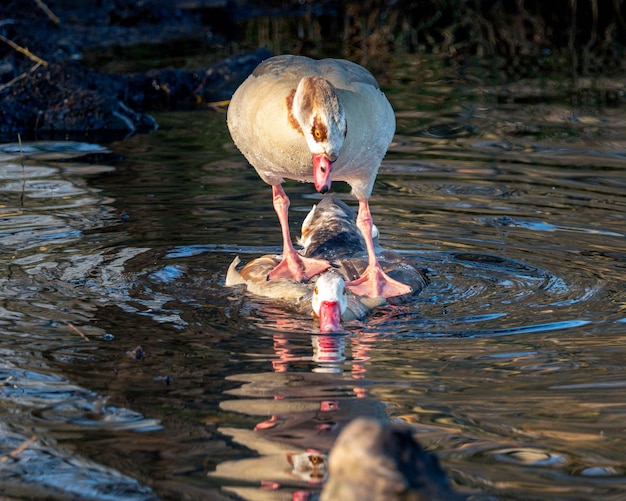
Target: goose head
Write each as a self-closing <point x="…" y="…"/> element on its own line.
<point x="329" y="301"/>
<point x="321" y="118"/>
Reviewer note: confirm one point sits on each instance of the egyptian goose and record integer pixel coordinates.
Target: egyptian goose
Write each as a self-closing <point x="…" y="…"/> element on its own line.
<point x="329" y="232"/>
<point x="315" y="121"/>
<point x="325" y="297"/>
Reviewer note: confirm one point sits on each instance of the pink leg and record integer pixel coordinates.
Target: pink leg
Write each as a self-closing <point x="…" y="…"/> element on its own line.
<point x="374" y="282"/>
<point x="293" y="265"/>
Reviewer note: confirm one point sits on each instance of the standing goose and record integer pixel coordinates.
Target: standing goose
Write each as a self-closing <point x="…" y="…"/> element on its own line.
<point x="314" y="121"/>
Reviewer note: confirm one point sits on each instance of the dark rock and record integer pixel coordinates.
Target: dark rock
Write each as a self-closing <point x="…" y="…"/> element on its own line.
<point x="173" y="89"/>
<point x="222" y="79"/>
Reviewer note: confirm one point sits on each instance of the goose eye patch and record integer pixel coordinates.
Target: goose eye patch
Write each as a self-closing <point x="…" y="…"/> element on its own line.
<point x="319" y="131"/>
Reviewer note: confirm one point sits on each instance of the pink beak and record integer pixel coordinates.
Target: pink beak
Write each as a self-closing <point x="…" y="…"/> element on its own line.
<point x="322" y="168"/>
<point x="330" y="316"/>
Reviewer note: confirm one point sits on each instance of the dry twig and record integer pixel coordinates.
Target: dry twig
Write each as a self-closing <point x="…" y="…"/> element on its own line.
<point x="77" y="331"/>
<point x="19" y="139"/>
<point x="48" y="12"/>
<point x="24" y="51"/>
<point x="218" y="105"/>
<point x="16" y="452"/>
<point x="19" y="77"/>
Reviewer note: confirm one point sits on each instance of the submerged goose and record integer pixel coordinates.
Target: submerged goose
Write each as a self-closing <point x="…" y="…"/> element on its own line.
<point x="328" y="232"/>
<point x="315" y="121"/>
<point x="325" y="297"/>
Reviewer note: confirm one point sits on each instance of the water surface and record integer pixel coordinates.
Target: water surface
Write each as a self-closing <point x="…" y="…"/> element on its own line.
<point x="129" y="372"/>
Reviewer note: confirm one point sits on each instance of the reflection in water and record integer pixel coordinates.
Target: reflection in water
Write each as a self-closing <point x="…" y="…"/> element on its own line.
<point x="306" y="412"/>
<point x="509" y="365"/>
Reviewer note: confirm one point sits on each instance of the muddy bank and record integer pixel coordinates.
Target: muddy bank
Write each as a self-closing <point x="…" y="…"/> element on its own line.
<point x="68" y="100"/>
<point x="47" y="91"/>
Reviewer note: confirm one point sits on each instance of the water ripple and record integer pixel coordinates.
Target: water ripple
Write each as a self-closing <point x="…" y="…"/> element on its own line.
<point x="529" y="456"/>
<point x="55" y="399"/>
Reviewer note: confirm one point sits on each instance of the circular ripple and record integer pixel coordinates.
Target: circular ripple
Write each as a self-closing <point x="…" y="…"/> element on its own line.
<point x="96" y="414"/>
<point x="529" y="457"/>
<point x="601" y="471"/>
<point x="487" y="295"/>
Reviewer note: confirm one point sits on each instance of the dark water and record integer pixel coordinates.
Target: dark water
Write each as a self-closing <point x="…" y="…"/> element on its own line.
<point x="139" y="376"/>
